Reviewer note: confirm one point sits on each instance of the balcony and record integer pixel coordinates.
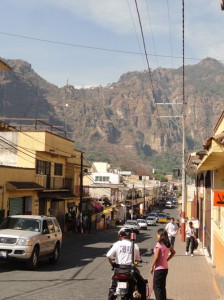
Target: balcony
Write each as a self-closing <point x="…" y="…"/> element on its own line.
<point x="54" y="183"/>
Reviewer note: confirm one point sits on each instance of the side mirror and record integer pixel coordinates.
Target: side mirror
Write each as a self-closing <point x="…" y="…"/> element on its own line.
<point x="46" y="231"/>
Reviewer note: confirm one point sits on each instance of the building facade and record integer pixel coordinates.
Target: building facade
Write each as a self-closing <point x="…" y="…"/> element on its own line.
<point x="57" y="168"/>
<point x="208" y="205"/>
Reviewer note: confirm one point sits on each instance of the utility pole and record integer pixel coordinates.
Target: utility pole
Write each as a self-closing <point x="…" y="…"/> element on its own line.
<point x="183" y="143"/>
<point x="183" y="210"/>
<point x="132" y="199"/>
<point x="183" y="116"/>
<point x="81" y="192"/>
<point x="144" y="199"/>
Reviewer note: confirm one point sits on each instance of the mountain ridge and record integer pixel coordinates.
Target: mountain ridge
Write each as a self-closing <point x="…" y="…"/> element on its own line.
<point x="122" y="122"/>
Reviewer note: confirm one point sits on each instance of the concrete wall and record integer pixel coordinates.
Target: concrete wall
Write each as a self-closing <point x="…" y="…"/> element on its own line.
<point x="19" y="175"/>
<point x="8" y="146"/>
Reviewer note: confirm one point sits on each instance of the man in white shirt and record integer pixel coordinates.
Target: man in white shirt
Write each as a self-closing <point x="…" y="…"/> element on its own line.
<point x="121" y="252"/>
<point x="190" y="238"/>
<point x="172" y="230"/>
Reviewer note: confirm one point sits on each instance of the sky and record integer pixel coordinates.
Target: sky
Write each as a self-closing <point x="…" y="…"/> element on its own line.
<point x="94" y="42"/>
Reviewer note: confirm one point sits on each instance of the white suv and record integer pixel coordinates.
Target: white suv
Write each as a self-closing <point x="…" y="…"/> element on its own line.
<point x="30" y="238"/>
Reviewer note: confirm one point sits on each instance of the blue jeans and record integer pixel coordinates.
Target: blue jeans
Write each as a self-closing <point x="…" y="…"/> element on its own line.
<point x="172" y="240"/>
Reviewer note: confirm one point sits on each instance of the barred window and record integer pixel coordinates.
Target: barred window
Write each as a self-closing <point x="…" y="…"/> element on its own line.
<point x="58" y="168"/>
<point x="42" y="167"/>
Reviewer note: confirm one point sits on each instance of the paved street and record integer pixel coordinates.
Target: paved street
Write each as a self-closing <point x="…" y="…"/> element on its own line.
<point x="83" y="271"/>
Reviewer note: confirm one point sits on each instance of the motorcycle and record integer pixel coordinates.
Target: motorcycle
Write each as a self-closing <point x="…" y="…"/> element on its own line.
<point x="127" y="279"/>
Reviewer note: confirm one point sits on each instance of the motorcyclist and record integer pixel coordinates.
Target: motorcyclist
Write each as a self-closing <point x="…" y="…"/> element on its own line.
<point x="121" y="252"/>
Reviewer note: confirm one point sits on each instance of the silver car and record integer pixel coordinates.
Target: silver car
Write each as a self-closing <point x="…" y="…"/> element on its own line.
<point x="151" y="221"/>
<point x="133" y="224"/>
<point x="142" y="223"/>
<point x="29" y="238"/>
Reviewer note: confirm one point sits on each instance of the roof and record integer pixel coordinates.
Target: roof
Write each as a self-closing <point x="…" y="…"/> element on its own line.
<point x="219" y="121"/>
<point x="26" y="185"/>
<point x="4" y="66"/>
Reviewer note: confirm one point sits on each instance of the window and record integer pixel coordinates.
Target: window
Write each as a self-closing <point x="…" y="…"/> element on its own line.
<point x="43" y="167"/>
<point x="58" y="168"/>
<point x="102" y="178"/>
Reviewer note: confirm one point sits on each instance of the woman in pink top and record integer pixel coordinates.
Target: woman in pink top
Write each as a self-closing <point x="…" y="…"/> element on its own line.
<point x="162" y="253"/>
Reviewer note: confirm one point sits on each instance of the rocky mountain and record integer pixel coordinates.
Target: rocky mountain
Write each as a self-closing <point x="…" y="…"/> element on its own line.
<point x="124" y="122"/>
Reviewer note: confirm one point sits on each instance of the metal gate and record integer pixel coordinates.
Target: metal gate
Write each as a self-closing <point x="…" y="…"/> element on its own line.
<point x="16" y="206"/>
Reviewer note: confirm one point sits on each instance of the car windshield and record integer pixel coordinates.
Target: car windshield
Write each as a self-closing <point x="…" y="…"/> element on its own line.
<point x="21" y="224"/>
<point x="150" y="218"/>
<point x="141" y="221"/>
<point x="161" y="215"/>
<point x="131" y="222"/>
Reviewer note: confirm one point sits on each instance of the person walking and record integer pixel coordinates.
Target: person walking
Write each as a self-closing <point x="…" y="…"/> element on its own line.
<point x="190" y="238"/>
<point x="163" y="252"/>
<point x="172" y="230"/>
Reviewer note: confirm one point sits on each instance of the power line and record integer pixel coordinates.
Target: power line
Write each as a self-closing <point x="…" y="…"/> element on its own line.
<point x="135" y="31"/>
<point x="95" y="48"/>
<point x="146" y="56"/>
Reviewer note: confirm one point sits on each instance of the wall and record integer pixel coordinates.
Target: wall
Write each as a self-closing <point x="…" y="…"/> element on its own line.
<point x="218" y="252"/>
<point x="8" y="155"/>
<point x="18" y="175"/>
<point x="100" y="166"/>
<point x="113" y="178"/>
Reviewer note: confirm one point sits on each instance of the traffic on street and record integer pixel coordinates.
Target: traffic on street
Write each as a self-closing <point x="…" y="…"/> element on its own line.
<point x="82" y="272"/>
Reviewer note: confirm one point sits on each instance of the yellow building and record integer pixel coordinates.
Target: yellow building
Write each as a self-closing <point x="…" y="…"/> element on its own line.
<point x="18" y="191"/>
<point x="210" y="195"/>
<point x="57" y="167"/>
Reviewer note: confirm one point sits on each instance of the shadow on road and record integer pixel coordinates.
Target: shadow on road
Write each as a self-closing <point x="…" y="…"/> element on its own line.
<point x="78" y="251"/>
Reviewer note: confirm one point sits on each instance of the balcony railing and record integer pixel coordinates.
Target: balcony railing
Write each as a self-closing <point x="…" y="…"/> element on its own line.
<point x="54" y="183"/>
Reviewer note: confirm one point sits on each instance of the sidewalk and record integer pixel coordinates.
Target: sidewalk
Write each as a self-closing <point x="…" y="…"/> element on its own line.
<point x="190" y="278"/>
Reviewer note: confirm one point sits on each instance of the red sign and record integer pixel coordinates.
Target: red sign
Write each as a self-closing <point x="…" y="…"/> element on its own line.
<point x="218" y="198"/>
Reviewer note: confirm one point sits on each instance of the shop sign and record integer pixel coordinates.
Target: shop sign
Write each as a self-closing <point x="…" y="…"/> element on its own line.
<point x="219" y="198"/>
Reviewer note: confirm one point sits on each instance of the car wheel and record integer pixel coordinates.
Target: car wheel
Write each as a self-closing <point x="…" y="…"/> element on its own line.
<point x="55" y="256"/>
<point x="32" y="263"/>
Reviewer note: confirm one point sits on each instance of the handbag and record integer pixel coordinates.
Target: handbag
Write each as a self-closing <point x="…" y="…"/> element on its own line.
<point x="195" y="244"/>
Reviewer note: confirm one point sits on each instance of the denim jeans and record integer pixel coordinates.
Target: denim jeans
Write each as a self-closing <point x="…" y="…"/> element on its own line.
<point x="190" y="241"/>
<point x="172" y="240"/>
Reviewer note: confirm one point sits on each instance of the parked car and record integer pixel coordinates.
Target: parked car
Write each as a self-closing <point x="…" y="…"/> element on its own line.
<point x="133" y="224"/>
<point x="151" y="221"/>
<point x="142" y="223"/>
<point x="161" y="218"/>
<point x="29" y="238"/>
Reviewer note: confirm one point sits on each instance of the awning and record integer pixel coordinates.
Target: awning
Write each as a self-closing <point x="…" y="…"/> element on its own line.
<point x="214" y="159"/>
<point x="57" y="195"/>
<point x="107" y="210"/>
<point x="16" y="185"/>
